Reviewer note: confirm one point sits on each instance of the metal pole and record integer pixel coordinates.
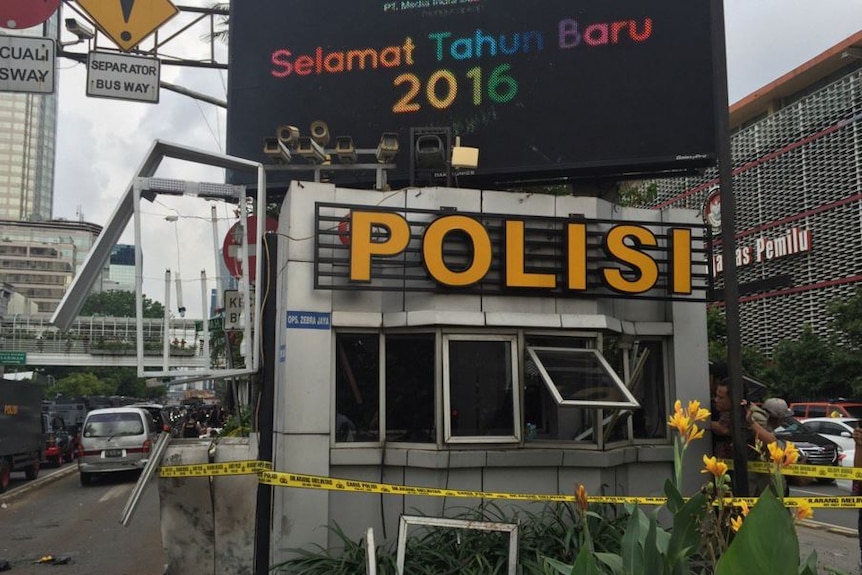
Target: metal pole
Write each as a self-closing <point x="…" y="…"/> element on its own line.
<point x="267" y="248"/>
<point x="728" y="249"/>
<point x="217" y="247"/>
<point x="206" y="316"/>
<point x="166" y="342"/>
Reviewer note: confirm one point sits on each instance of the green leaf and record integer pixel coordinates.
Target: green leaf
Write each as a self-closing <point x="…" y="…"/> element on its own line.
<point x="654" y="560"/>
<point x="685" y="537"/>
<point x="585" y="564"/>
<point x="631" y="546"/>
<point x="766" y="542"/>
<point x="675" y="500"/>
<point x="809" y="566"/>
<point x="613" y="561"/>
<point x="559" y="566"/>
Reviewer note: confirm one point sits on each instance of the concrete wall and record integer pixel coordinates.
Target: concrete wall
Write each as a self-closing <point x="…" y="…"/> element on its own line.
<point x="305" y="377"/>
<point x="208" y="524"/>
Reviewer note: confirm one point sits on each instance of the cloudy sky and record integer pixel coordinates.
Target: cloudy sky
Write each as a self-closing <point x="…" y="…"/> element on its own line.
<point x="102" y="142"/>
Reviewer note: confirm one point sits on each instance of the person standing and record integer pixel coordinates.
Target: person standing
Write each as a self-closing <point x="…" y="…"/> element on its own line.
<point x="722" y="444"/>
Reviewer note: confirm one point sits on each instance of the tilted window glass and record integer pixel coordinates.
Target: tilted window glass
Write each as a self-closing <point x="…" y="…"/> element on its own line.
<point x="581" y="377"/>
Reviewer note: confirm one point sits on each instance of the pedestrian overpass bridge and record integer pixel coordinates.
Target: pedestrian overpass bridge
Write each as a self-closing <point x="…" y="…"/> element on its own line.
<point x="100" y="341"/>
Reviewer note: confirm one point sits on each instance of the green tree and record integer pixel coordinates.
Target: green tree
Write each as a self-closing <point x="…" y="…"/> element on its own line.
<point x="80" y="385"/>
<point x="804" y="369"/>
<point x="847" y="322"/>
<point x="119" y="304"/>
<point x="753" y="361"/>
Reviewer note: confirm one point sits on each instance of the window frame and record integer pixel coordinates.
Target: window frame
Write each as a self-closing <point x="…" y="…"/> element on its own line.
<point x="590" y="404"/>
<point x="381" y="382"/>
<point x="512" y="340"/>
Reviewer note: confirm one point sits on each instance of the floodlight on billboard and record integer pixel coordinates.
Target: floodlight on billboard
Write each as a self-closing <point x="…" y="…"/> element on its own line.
<point x="546" y="90"/>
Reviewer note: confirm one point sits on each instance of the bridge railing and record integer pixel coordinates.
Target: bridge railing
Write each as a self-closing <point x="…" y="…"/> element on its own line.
<point x="100" y="336"/>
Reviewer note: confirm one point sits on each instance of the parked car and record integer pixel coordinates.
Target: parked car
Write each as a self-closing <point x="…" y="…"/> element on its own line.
<point x="115" y="439"/>
<point x="810" y="409"/>
<point x="157" y="412"/>
<point x="839" y="430"/>
<point x="813" y="447"/>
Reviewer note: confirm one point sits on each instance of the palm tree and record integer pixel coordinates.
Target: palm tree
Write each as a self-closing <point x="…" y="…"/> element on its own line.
<point x="223" y="26"/>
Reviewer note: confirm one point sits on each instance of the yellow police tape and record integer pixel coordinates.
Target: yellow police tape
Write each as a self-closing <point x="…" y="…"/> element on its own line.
<point x="303" y="481"/>
<point x="802" y="470"/>
<point x="245" y="467"/>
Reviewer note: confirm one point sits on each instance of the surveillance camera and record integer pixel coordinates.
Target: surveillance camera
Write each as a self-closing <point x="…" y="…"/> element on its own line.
<point x="311" y="150"/>
<point x="345" y="150"/>
<point x="319" y="132"/>
<point x="387" y="149"/>
<point x="79" y="30"/>
<point x="429" y="152"/>
<point x="275" y="149"/>
<point x="288" y="135"/>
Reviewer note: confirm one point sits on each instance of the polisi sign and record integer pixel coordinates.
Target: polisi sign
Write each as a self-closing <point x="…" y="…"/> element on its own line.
<point x="445" y="250"/>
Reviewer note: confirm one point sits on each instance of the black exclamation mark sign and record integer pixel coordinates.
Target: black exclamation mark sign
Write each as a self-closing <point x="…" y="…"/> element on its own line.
<point x="127" y="13"/>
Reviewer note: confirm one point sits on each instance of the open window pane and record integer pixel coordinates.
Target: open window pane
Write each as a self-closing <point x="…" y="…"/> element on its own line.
<point x="580" y="377"/>
<point x="480" y="380"/>
<point x="410" y="388"/>
<point x="357" y="387"/>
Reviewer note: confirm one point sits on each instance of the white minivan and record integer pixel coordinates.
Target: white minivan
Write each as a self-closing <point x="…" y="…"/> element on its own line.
<point x="115" y="439"/>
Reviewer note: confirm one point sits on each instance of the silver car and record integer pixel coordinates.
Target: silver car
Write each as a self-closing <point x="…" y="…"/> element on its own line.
<point x="115" y="439"/>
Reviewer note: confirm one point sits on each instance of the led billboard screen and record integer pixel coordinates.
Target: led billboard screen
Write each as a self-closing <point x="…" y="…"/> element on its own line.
<point x="544" y="89"/>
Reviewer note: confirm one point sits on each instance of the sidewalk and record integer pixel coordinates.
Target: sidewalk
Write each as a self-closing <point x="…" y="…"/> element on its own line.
<point x="837" y="549"/>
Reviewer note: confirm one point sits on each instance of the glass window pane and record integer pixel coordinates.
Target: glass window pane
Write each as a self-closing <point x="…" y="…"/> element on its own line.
<point x="481" y="390"/>
<point x="357" y="387"/>
<point x="410" y="388"/>
<point x="580" y="377"/>
<point x="544" y="419"/>
<point x="648" y="386"/>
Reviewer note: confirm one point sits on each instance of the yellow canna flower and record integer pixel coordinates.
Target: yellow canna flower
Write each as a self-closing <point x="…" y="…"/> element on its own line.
<point x="693" y="433"/>
<point x="791" y="454"/>
<point x="696" y="413"/>
<point x="581" y="497"/>
<point x="677" y="406"/>
<point x="743" y="507"/>
<point x="783" y="456"/>
<point x="736" y="523"/>
<point x="712" y="465"/>
<point x="803" y="511"/>
<point x="680" y="422"/>
<point x="776" y="453"/>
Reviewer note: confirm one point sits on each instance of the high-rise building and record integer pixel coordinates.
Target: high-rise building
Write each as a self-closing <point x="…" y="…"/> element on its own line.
<point x="797" y="186"/>
<point x="28" y="127"/>
<point x="40" y="259"/>
<point x="121" y="270"/>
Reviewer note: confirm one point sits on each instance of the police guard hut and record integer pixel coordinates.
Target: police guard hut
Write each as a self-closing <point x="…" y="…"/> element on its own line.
<point x="477" y="340"/>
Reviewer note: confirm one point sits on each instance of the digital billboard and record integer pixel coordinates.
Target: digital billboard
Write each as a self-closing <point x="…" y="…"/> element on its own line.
<point x="545" y="89"/>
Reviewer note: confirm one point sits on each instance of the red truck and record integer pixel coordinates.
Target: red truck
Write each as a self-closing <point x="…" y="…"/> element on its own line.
<point x="21" y="445"/>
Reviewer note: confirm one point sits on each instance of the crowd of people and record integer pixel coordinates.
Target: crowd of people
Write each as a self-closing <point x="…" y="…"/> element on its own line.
<point x="761" y="421"/>
<point x="201" y="421"/>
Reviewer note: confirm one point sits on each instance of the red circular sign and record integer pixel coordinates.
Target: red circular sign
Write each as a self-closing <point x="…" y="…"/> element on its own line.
<point x="20" y="14"/>
<point x="233" y="244"/>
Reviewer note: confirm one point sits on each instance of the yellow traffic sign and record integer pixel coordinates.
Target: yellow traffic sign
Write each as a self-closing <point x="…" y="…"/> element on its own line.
<point x="128" y="22"/>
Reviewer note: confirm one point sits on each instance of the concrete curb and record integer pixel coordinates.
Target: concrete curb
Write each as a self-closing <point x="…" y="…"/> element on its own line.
<point x="836" y="529"/>
<point x="42" y="480"/>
